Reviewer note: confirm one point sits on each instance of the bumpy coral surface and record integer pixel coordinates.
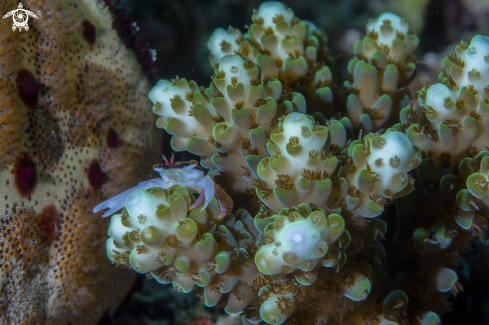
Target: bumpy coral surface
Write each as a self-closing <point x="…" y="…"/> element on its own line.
<point x="227" y="124"/>
<point x="155" y="234"/>
<point x="302" y="163"/>
<point x="295" y="242"/>
<point x="313" y="252"/>
<point x="72" y="120"/>
<point x="457" y="109"/>
<point x="382" y="67"/>
<point x="306" y="166"/>
<point x="451" y="127"/>
<point x="284" y="47"/>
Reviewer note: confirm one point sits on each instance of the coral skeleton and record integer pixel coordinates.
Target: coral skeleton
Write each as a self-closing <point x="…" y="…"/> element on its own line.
<point x="305" y="241"/>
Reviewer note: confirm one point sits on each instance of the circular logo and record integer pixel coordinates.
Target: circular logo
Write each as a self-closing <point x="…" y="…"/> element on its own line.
<point x="20" y="17"/>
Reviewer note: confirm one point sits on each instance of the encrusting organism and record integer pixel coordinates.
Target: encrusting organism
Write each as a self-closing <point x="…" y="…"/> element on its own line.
<point x="304" y="242"/>
<point x="68" y="86"/>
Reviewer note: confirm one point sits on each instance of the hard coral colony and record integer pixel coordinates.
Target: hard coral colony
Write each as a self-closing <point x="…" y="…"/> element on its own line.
<point x="305" y="245"/>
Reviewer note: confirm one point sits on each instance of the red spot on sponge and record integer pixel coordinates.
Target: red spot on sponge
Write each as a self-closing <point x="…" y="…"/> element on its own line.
<point x="28" y="88"/>
<point x="95" y="175"/>
<point x="112" y="138"/>
<point x="89" y="32"/>
<point x="49" y="223"/>
<point x="25" y="176"/>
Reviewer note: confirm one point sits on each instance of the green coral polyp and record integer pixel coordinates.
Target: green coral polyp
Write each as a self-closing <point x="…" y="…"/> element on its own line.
<point x="445" y="279"/>
<point x="186" y="230"/>
<point x="222" y="262"/>
<point x="359" y="289"/>
<point x="434" y="239"/>
<point x="382" y="62"/>
<point x="473" y="194"/>
<point x="150" y="236"/>
<point x="276" y="309"/>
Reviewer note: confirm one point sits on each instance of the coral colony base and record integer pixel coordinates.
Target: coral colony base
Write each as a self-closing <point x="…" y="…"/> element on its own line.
<point x="305" y="243"/>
